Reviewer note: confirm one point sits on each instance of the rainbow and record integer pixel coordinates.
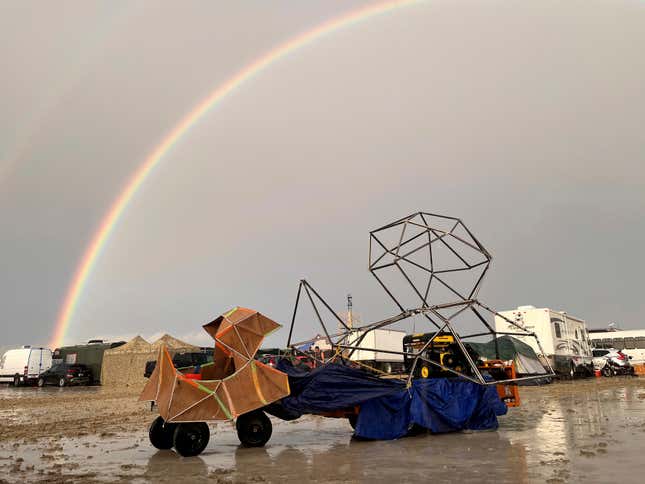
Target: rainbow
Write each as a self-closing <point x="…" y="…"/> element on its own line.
<point x="111" y="218"/>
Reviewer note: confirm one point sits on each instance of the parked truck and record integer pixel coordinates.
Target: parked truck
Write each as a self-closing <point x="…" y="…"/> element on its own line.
<point x="383" y="339"/>
<point x="563" y="338"/>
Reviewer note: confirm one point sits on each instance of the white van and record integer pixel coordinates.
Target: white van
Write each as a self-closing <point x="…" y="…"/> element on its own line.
<point x="22" y="366"/>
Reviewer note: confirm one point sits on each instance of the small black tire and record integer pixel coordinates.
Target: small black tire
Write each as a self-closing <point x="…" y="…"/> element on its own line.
<point x="41" y="382"/>
<point x="161" y="434"/>
<point x="254" y="429"/>
<point x="62" y="382"/>
<point x="16" y="381"/>
<point x="191" y="438"/>
<point x="606" y="371"/>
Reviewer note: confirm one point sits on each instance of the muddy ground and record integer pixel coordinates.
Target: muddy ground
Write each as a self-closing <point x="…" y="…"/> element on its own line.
<point x="581" y="431"/>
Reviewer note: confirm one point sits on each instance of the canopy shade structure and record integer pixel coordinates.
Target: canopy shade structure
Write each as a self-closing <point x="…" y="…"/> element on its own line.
<point x="234" y="384"/>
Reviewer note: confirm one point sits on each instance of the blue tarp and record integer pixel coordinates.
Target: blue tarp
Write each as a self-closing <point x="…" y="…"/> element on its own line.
<point x="388" y="409"/>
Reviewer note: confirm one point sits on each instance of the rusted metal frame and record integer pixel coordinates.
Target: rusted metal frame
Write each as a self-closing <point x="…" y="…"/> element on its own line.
<point x="384" y="266"/>
<point x="425" y="303"/>
<point x="370" y="264"/>
<point x="295" y="310"/>
<point x="479" y="244"/>
<point x="483" y="320"/>
<point x="450" y="288"/>
<point x="404" y="256"/>
<point x="397" y="222"/>
<point x="492" y="311"/>
<point x="465" y="242"/>
<point x="434" y="231"/>
<point x="429" y="250"/>
<point x="459" y="311"/>
<point x="480" y="279"/>
<point x="425" y="296"/>
<point x="398" y="247"/>
<point x="462" y="269"/>
<point x="388" y="291"/>
<point x="475" y="335"/>
<point x="338" y="318"/>
<point x="421" y="351"/>
<point x="473" y="365"/>
<point x="440" y="216"/>
<point x="513" y="380"/>
<point x="317" y="313"/>
<point x="397" y="257"/>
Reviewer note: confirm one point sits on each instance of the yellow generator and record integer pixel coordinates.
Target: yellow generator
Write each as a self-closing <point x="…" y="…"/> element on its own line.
<point x="443" y="349"/>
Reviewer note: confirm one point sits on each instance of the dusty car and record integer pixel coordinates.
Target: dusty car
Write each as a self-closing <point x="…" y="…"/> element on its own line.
<point x="612" y="361"/>
<point x="64" y="374"/>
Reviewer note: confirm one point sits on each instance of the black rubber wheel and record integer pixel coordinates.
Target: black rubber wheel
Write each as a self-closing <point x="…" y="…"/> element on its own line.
<point x="190" y="439"/>
<point x="41" y="382"/>
<point x="16" y="381"/>
<point x="161" y="433"/>
<point x="62" y="382"/>
<point x="606" y="371"/>
<point x="254" y="429"/>
<point x="353" y="419"/>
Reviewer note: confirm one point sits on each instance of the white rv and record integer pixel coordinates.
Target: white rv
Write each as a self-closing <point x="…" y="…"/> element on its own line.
<point x="564" y="339"/>
<point x="23" y="366"/>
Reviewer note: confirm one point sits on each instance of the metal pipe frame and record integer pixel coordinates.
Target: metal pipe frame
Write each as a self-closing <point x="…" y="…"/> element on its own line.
<point x="464" y="300"/>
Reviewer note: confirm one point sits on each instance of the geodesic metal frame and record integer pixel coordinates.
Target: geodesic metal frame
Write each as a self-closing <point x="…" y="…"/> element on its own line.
<point x="419" y="234"/>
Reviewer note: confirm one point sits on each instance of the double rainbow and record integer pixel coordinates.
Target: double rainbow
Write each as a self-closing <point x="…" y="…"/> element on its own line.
<point x="111" y="218"/>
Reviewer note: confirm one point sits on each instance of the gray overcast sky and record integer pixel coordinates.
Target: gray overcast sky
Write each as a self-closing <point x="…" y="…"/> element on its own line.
<point x="525" y="119"/>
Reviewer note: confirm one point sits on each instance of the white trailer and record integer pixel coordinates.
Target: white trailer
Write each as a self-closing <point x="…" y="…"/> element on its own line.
<point x="564" y="338"/>
<point x="22" y="366"/>
<point x="629" y="341"/>
<point x="378" y="339"/>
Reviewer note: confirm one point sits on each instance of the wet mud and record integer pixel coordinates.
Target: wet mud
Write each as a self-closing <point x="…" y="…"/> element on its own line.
<point x="581" y="431"/>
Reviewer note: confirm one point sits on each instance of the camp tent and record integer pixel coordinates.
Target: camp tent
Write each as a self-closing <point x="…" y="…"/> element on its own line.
<point x="526" y="361"/>
<point x="173" y="345"/>
<point x="124" y="366"/>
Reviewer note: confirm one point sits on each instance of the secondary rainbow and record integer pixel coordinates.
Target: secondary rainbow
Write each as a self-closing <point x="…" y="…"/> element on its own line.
<point x="111" y="218"/>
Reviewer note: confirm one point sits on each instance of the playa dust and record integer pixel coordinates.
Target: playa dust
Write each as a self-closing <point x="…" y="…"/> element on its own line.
<point x="584" y="431"/>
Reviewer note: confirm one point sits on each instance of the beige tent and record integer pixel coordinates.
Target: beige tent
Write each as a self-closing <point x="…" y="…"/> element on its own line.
<point x="124" y="366"/>
<point x="173" y="345"/>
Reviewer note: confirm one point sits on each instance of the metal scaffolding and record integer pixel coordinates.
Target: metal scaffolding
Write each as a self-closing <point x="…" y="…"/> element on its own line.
<point x="425" y="252"/>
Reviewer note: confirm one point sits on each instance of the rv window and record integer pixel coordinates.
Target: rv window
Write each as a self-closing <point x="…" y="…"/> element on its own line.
<point x="618" y="343"/>
<point x="640" y="342"/>
<point x="556" y="326"/>
<point x="629" y="343"/>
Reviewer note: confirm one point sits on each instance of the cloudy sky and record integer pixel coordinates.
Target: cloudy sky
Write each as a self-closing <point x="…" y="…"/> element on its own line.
<point x="526" y="119"/>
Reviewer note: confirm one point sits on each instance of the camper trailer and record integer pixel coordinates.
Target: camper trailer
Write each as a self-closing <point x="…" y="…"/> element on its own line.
<point x="564" y="339"/>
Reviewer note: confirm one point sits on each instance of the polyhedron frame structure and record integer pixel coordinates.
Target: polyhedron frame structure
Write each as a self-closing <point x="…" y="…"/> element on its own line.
<point x="411" y="244"/>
